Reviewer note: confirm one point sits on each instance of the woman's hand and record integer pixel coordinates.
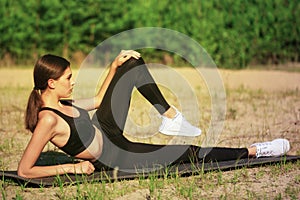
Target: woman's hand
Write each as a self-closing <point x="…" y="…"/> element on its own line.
<point x="85" y="167"/>
<point x="94" y="103"/>
<point x="124" y="56"/>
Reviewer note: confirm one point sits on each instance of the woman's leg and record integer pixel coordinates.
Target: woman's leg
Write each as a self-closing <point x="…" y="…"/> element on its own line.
<point x="113" y="110"/>
<point x="140" y="156"/>
<point x="112" y="114"/>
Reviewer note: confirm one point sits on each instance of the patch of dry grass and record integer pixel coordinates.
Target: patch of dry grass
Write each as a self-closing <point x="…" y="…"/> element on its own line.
<point x="255" y="112"/>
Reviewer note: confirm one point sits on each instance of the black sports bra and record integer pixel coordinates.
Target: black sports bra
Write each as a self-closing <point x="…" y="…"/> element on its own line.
<point x="82" y="131"/>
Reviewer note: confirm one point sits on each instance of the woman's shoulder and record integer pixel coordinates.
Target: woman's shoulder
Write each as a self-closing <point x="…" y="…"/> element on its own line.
<point x="47" y="117"/>
<point x="47" y="124"/>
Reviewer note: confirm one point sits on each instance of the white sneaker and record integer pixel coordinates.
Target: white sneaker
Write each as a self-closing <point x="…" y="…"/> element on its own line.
<point x="277" y="147"/>
<point x="178" y="126"/>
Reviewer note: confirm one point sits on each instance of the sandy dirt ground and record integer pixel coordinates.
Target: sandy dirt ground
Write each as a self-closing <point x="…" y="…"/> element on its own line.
<point x="260" y="105"/>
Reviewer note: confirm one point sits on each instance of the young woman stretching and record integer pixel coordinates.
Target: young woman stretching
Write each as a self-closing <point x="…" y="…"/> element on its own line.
<point x="100" y="141"/>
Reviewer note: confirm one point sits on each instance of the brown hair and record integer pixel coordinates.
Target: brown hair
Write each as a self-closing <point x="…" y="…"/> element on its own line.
<point x="47" y="67"/>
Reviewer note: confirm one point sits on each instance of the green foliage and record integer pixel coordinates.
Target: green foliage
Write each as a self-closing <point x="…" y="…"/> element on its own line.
<point x="234" y="32"/>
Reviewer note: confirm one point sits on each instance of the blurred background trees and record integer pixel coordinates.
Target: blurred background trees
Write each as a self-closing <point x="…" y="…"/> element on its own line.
<point x="236" y="33"/>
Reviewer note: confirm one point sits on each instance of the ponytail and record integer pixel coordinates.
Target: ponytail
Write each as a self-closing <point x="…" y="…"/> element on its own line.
<point x="32" y="111"/>
<point x="47" y="67"/>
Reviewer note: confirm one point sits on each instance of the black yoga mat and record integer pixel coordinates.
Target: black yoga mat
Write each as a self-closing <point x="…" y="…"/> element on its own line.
<point x="184" y="169"/>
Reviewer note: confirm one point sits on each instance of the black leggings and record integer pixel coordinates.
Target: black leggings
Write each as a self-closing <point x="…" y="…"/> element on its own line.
<point x="111" y="116"/>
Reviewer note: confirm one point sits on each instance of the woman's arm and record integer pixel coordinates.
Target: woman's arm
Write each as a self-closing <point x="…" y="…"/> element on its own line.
<point x="93" y="103"/>
<point x="41" y="136"/>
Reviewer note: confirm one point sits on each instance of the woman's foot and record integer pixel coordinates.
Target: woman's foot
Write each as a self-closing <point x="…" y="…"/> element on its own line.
<point x="177" y="125"/>
<point x="277" y="147"/>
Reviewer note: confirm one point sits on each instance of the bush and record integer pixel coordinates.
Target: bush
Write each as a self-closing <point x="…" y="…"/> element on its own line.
<point x="234" y="32"/>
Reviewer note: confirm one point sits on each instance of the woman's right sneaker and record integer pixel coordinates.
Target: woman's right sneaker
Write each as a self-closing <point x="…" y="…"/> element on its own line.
<point x="178" y="126"/>
<point x="277" y="147"/>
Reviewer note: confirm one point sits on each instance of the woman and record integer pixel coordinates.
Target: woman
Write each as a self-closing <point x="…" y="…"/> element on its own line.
<point x="100" y="141"/>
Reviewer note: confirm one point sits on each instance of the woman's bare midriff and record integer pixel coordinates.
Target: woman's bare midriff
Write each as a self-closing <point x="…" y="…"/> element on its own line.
<point x="94" y="150"/>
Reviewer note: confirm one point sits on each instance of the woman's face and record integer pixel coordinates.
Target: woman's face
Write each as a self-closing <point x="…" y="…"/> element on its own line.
<point x="64" y="85"/>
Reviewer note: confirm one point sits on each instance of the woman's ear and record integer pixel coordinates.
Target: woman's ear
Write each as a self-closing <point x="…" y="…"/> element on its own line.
<point x="51" y="83"/>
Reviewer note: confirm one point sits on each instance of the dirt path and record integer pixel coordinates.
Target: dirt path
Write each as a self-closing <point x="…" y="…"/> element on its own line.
<point x="259" y="79"/>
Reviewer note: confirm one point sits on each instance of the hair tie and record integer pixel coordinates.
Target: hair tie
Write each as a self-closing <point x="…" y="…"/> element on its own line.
<point x="37" y="89"/>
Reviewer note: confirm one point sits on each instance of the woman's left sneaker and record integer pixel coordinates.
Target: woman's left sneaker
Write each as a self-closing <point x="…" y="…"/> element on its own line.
<point x="277" y="147"/>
